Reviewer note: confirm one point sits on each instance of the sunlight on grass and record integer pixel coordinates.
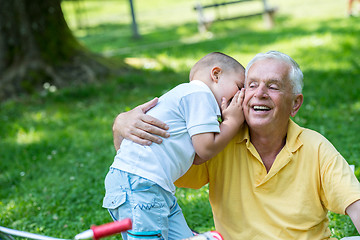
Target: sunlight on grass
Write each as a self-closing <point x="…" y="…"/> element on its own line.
<point x="36" y="116"/>
<point x="28" y="137"/>
<point x="10" y="206"/>
<point x="36" y="121"/>
<point x="161" y="62"/>
<point x="144" y="63"/>
<point x="356" y="106"/>
<point x="316" y="41"/>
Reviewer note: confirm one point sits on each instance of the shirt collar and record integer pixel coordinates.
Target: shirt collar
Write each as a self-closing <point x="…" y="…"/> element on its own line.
<point x="199" y="83"/>
<point x="293" y="142"/>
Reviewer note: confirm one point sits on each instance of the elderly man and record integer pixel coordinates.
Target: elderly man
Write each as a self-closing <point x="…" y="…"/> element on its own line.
<point x="274" y="180"/>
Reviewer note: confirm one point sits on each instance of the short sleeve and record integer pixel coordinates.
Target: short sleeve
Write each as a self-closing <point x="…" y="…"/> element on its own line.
<point x="339" y="183"/>
<point x="200" y="111"/>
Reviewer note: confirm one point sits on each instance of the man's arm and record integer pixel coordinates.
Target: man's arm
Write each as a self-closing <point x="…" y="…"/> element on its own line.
<point x="207" y="145"/>
<point x="138" y="127"/>
<point x="353" y="210"/>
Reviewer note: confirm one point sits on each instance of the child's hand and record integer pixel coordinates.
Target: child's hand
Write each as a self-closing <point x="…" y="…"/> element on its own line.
<point x="207" y="145"/>
<point x="234" y="112"/>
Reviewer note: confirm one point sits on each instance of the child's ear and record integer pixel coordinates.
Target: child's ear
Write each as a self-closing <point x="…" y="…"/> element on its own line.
<point x="215" y="74"/>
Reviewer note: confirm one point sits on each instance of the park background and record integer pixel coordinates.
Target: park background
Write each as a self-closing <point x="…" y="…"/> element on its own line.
<point x="56" y="142"/>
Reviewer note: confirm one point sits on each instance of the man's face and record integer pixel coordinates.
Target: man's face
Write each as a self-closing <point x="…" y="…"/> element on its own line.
<point x="268" y="99"/>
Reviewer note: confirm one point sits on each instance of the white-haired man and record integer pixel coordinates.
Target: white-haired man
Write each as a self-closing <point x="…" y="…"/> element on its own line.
<point x="274" y="180"/>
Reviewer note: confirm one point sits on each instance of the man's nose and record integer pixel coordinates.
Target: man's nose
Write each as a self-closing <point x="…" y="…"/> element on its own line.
<point x="262" y="91"/>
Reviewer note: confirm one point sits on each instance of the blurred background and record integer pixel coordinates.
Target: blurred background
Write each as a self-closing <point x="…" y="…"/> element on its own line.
<point x="67" y="68"/>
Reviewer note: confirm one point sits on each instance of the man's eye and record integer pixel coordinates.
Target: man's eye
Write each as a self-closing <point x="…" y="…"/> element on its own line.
<point x="251" y="85"/>
<point x="274" y="87"/>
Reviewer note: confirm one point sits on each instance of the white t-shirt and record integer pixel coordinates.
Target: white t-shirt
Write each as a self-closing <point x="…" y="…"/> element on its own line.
<point x="188" y="109"/>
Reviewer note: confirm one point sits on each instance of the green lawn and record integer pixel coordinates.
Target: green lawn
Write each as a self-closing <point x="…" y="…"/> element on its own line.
<point x="56" y="146"/>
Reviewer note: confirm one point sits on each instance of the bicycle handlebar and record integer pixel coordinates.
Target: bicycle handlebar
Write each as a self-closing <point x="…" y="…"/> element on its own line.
<point x="112" y="228"/>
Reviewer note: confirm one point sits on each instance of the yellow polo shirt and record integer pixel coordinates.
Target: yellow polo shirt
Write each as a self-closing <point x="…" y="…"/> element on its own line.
<point x="308" y="178"/>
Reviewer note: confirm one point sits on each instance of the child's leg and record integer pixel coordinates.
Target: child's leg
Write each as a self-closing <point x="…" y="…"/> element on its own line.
<point x="149" y="209"/>
<point x="178" y="228"/>
<point x="157" y="211"/>
<point x="115" y="200"/>
<point x="129" y="195"/>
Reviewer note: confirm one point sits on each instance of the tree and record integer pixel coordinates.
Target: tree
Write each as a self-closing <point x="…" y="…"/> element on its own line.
<point x="37" y="46"/>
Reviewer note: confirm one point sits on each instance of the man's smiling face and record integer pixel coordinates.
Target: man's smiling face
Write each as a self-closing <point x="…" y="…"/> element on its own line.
<point x="268" y="99"/>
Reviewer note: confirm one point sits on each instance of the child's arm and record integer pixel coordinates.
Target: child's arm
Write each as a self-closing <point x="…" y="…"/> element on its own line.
<point x="207" y="145"/>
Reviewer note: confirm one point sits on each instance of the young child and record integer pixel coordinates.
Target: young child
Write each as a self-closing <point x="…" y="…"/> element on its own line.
<point x="140" y="185"/>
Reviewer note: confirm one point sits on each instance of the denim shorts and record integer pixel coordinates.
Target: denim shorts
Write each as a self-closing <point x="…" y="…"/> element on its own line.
<point x="154" y="211"/>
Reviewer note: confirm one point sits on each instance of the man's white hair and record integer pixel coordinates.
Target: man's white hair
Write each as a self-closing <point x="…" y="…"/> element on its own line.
<point x="295" y="74"/>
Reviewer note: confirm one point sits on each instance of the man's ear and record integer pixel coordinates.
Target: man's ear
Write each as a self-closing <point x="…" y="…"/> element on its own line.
<point x="297" y="102"/>
<point x="215" y="74"/>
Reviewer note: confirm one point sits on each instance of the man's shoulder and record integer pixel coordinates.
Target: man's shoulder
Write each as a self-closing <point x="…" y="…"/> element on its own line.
<point x="313" y="139"/>
<point x="308" y="133"/>
<point x="305" y="135"/>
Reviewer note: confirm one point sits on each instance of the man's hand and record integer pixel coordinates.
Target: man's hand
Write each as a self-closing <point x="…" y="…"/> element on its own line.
<point x="138" y="127"/>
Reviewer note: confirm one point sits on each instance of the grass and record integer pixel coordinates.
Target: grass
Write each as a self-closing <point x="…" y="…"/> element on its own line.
<point x="56" y="146"/>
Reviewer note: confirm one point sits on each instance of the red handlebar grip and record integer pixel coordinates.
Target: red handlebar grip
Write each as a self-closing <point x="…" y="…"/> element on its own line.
<point x="112" y="228"/>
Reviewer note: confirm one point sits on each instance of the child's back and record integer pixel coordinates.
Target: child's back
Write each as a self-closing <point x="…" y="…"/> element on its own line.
<point x="188" y="109"/>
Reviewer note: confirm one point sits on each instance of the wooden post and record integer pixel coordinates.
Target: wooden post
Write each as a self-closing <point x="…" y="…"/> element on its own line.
<point x="266" y="6"/>
<point x="134" y="25"/>
<point x="201" y="18"/>
<point x="268" y="15"/>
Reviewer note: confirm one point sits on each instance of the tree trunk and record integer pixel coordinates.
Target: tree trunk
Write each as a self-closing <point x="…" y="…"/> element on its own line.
<point x="37" y="46"/>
